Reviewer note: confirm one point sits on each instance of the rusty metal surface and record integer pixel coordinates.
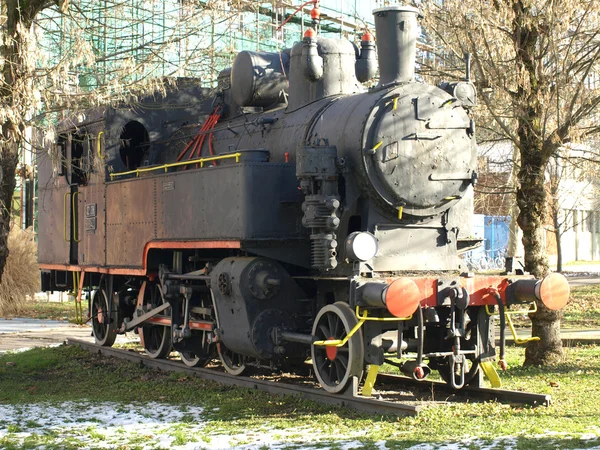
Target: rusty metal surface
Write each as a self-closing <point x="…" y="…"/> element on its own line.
<point x="92" y="214"/>
<point x="53" y="248"/>
<point x="130" y="219"/>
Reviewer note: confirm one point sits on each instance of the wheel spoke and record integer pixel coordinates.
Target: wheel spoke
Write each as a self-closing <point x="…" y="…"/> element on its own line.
<point x="325" y="331"/>
<point x="335" y="321"/>
<point x="332" y="372"/>
<point x="331" y="321"/>
<point x="338" y="328"/>
<point x="340" y="370"/>
<point x="323" y="364"/>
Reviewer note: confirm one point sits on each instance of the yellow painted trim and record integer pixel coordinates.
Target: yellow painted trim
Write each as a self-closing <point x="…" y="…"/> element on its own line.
<point x="338" y="342"/>
<point x="379" y="144"/>
<point x="74" y="214"/>
<point x="365" y="316"/>
<point x="511" y="326"/>
<point x="99" y="145"/>
<point x="65" y="203"/>
<point x="400" y="211"/>
<point x="361" y="320"/>
<point x="491" y="374"/>
<point x="165" y="167"/>
<point x="367" y="390"/>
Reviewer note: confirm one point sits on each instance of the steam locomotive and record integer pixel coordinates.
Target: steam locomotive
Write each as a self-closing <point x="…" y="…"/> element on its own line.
<point x="290" y="214"/>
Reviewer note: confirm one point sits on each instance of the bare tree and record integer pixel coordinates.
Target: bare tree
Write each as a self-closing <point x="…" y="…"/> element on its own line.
<point x="572" y="187"/>
<point x="59" y="55"/>
<point x="15" y="100"/>
<point x="534" y="61"/>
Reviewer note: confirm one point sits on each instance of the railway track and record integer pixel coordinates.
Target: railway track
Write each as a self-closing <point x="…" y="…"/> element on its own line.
<point x="409" y="397"/>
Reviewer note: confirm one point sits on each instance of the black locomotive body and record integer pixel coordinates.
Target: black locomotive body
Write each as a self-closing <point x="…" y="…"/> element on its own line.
<point x="289" y="214"/>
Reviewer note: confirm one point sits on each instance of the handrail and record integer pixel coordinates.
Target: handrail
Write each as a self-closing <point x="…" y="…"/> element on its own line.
<point x="362" y="318"/>
<point x="65" y="215"/>
<point x="200" y="161"/>
<point x="517" y="340"/>
<point x="365" y="316"/>
<point x="100" y="155"/>
<point x="74" y="214"/>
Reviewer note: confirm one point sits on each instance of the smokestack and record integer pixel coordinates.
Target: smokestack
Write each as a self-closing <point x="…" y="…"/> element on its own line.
<point x="397" y="32"/>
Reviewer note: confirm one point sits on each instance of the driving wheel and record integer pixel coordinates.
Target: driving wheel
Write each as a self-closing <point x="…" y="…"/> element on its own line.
<point x="232" y="362"/>
<point x="335" y="366"/>
<point x="104" y="322"/>
<point x="155" y="338"/>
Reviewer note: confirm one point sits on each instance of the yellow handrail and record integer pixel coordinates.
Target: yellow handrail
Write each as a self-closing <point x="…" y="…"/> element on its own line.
<point x="65" y="215"/>
<point x="74" y="213"/>
<point x="511" y="326"/>
<point x="99" y="145"/>
<point x="513" y="313"/>
<point x="362" y="318"/>
<point x="342" y="342"/>
<point x="517" y="339"/>
<point x="365" y="316"/>
<point x="200" y="161"/>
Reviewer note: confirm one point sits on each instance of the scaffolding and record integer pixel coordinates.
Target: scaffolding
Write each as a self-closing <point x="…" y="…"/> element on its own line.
<point x="179" y="38"/>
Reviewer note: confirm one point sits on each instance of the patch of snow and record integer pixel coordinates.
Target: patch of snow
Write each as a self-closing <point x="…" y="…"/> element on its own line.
<point x="159" y="425"/>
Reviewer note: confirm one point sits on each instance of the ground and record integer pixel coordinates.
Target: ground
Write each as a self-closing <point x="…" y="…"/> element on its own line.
<point x="56" y="398"/>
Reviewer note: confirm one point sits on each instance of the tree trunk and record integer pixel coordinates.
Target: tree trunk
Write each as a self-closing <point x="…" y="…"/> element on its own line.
<point x="9" y="158"/>
<point x="558" y="237"/>
<point x="545" y="324"/>
<point x="531" y="198"/>
<point x="14" y="97"/>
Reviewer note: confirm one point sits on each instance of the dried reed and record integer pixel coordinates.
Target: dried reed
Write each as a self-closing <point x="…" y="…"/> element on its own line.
<point x="21" y="275"/>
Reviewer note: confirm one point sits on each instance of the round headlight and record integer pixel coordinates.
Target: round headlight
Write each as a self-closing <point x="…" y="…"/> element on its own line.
<point x="361" y="246"/>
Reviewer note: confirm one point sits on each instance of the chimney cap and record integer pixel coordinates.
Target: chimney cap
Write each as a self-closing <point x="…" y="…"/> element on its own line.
<point x="397" y="8"/>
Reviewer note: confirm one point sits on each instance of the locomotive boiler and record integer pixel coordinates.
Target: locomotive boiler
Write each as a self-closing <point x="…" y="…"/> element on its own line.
<point x="290" y="214"/>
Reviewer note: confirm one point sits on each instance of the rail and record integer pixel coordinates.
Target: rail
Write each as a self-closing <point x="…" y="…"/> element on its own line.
<point x="350" y="399"/>
<point x="166" y="167"/>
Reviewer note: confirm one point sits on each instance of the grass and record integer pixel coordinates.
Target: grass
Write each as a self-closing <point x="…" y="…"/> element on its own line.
<point x="60" y="374"/>
<point x="49" y="310"/>
<point x="582" y="263"/>
<point x="583" y="309"/>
